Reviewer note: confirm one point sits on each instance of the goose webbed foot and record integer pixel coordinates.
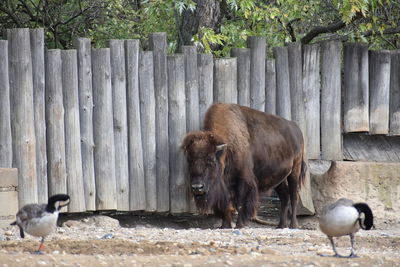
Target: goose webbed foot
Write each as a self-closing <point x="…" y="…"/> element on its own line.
<point x="352" y="255"/>
<point x="38" y="252"/>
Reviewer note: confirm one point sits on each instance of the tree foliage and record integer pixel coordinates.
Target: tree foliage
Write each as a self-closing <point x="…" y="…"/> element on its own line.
<point x="213" y="25"/>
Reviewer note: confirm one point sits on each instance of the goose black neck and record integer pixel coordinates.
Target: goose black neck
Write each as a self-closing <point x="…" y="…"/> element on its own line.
<point x="51" y="205"/>
<point x="369" y="218"/>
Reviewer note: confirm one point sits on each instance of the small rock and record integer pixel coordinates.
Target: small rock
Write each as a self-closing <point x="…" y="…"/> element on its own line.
<point x="42" y="263"/>
<point x="237" y="232"/>
<point x="8" y="233"/>
<point x="107" y="236"/>
<point x="56" y="252"/>
<point x="60" y="230"/>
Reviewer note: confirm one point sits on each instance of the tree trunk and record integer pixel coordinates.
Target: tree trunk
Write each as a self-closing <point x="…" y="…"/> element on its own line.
<point x="207" y="14"/>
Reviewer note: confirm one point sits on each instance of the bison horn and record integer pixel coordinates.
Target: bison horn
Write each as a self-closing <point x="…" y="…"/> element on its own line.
<point x="220" y="147"/>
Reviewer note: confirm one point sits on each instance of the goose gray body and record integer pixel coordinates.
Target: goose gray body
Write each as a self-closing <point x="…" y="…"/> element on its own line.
<point x="343" y="217"/>
<point x="40" y="220"/>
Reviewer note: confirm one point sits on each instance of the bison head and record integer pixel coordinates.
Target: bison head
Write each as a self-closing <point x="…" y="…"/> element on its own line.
<point x="205" y="154"/>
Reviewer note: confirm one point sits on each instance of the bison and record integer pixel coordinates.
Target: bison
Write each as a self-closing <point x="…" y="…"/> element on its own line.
<point x="239" y="153"/>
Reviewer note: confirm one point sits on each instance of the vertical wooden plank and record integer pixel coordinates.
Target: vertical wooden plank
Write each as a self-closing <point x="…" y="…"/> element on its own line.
<point x="283" y="107"/>
<point x="5" y="123"/>
<point x="270" y="86"/>
<point x="331" y="119"/>
<point x="73" y="158"/>
<point x="86" y="119"/>
<point x="311" y="90"/>
<point x="243" y="74"/>
<point x="177" y="130"/>
<point x="296" y="87"/>
<point x="147" y="118"/>
<point x="158" y="43"/>
<point x="137" y="192"/>
<point x="356" y="88"/>
<point x="257" y="47"/>
<point x="37" y="48"/>
<point x="192" y="95"/>
<point x="56" y="168"/>
<point x="379" y="85"/>
<point x="205" y="68"/>
<point x="395" y="93"/>
<point x="118" y="82"/>
<point x="225" y="80"/>
<point x="22" y="118"/>
<point x="104" y="153"/>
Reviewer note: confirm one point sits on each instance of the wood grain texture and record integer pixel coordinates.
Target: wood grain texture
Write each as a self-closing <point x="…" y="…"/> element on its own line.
<point x="257" y="47"/>
<point x="225" y="80"/>
<point x="243" y="74"/>
<point x="283" y="107"/>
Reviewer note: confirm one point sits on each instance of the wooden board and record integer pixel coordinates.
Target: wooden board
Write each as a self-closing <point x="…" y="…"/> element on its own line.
<point x="283" y="107"/>
<point x="225" y="80"/>
<point x="257" y="47"/>
<point x="243" y="74"/>
<point x="206" y="79"/>
<point x="394" y="111"/>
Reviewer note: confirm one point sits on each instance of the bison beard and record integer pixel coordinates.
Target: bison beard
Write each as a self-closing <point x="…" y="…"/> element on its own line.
<point x="240" y="152"/>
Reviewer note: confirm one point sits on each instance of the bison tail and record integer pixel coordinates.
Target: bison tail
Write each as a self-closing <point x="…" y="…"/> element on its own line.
<point x="303" y="171"/>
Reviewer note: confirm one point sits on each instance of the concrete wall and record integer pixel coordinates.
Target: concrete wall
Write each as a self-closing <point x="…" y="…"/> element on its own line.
<point x="375" y="183"/>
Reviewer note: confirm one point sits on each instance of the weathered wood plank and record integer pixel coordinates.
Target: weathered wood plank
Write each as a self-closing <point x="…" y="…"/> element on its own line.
<point x="296" y="87"/>
<point x="243" y="74"/>
<point x="311" y="90"/>
<point x="177" y="130"/>
<point x="86" y="119"/>
<point x="5" y="123"/>
<point x="395" y="93"/>
<point x="104" y="152"/>
<point x="331" y="120"/>
<point x="356" y="88"/>
<point x="137" y="191"/>
<point x="158" y="44"/>
<point x="147" y="117"/>
<point x="22" y="118"/>
<point x="192" y="95"/>
<point x="205" y="66"/>
<point x="118" y="82"/>
<point x="270" y="86"/>
<point x="257" y="47"/>
<point x="379" y="85"/>
<point x="37" y="48"/>
<point x="283" y="107"/>
<point x="56" y="167"/>
<point x="73" y="158"/>
<point x="225" y="80"/>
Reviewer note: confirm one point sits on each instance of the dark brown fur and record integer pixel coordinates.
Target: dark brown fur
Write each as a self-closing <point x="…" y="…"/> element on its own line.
<point x="262" y="152"/>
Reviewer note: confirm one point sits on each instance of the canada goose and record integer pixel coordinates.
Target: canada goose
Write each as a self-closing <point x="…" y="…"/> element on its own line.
<point x="343" y="217"/>
<point x="40" y="219"/>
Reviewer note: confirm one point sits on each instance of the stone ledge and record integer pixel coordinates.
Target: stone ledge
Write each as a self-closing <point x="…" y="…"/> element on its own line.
<point x="8" y="196"/>
<point x="376" y="183"/>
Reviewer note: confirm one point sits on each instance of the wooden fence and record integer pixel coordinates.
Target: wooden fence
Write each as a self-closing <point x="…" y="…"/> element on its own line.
<point x="105" y="125"/>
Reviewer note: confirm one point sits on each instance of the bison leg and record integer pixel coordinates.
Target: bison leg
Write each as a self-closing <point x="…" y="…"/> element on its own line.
<point x="246" y="202"/>
<point x="294" y="198"/>
<point x="283" y="192"/>
<point x="227" y="218"/>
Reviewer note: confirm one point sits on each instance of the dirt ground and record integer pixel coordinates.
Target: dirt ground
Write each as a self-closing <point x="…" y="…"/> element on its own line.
<point x="189" y="240"/>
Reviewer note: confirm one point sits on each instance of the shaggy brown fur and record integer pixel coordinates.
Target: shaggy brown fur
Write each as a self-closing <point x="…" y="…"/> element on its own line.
<point x="240" y="152"/>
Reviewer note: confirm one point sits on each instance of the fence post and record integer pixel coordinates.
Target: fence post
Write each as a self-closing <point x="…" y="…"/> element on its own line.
<point x="158" y="44"/>
<point x="5" y="123"/>
<point x="177" y="130"/>
<point x="104" y="152"/>
<point x="147" y="117"/>
<point x="205" y="68"/>
<point x="257" y="47"/>
<point x="379" y="85"/>
<point x="225" y="80"/>
<point x="73" y="158"/>
<point x="118" y="82"/>
<point x="356" y="88"/>
<point x="331" y="119"/>
<point x="395" y="93"/>
<point x="56" y="167"/>
<point x="311" y="90"/>
<point x="270" y="86"/>
<point x="86" y="119"/>
<point x="192" y="95"/>
<point x="22" y="118"/>
<point x="283" y="108"/>
<point x="37" y="48"/>
<point x="137" y="191"/>
<point x="243" y="74"/>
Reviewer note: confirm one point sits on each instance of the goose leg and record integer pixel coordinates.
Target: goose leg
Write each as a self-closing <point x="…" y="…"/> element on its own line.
<point x="337" y="255"/>
<point x="41" y="246"/>
<point x="352" y="240"/>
